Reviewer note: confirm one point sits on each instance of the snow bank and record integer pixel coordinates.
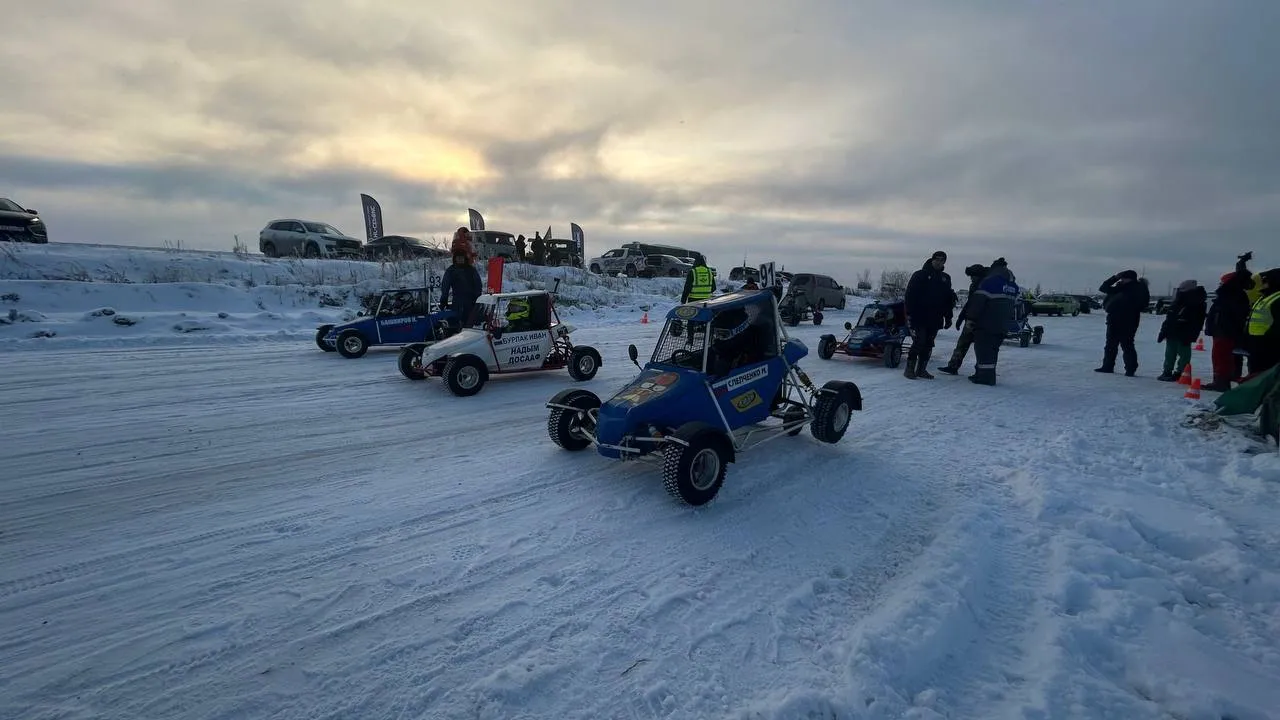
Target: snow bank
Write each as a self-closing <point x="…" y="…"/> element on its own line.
<point x="53" y="295"/>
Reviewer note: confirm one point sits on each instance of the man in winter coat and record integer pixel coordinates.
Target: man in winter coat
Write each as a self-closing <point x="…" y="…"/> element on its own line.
<point x="1226" y="322"/>
<point x="1181" y="327"/>
<point x="976" y="273"/>
<point x="539" y="248"/>
<point x="990" y="310"/>
<point x="1126" y="300"/>
<point x="520" y="246"/>
<point x="930" y="305"/>
<point x="699" y="283"/>
<point x="461" y="282"/>
<point x="1263" y="328"/>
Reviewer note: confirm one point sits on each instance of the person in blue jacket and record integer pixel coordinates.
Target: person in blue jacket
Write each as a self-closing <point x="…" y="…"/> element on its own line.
<point x="991" y="311"/>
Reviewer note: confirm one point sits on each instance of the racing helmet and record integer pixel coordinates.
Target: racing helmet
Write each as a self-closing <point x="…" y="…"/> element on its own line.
<point x="518" y="309"/>
<point x="729" y="324"/>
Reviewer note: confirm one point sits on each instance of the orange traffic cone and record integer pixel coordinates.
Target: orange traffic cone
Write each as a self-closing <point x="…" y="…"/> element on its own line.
<point x="1186" y="375"/>
<point x="1193" y="392"/>
<point x="1200" y="344"/>
<point x="644" y="319"/>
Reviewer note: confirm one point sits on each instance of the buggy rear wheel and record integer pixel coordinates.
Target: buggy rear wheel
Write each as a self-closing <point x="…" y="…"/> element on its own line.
<point x="835" y="410"/>
<point x="569" y="429"/>
<point x="817" y="317"/>
<point x="892" y="354"/>
<point x="584" y="362"/>
<point x="1037" y="335"/>
<point x="465" y="375"/>
<point x="320" y="333"/>
<point x="1024" y="340"/>
<point x="695" y="472"/>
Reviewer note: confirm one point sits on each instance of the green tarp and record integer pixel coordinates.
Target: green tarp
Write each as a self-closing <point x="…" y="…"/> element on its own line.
<point x="1261" y="395"/>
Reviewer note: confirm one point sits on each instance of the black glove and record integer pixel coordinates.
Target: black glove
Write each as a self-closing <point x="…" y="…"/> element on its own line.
<point x="946" y="323"/>
<point x="1245" y="257"/>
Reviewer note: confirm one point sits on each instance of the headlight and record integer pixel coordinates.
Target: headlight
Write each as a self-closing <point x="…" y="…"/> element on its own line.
<point x="36" y="220"/>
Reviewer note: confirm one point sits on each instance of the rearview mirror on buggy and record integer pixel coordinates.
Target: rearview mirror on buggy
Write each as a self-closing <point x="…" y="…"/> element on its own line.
<point x="848" y="325"/>
<point x="634" y="354"/>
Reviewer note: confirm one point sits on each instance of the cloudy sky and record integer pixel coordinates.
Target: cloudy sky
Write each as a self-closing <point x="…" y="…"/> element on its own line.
<point x="1075" y="139"/>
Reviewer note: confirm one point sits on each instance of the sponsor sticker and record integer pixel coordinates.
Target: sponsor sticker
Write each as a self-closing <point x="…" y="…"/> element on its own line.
<point x="746" y="401"/>
<point x="737" y="381"/>
<point x="686" y="312"/>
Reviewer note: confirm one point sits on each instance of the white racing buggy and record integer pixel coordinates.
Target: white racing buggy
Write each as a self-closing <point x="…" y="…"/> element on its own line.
<point x="506" y="333"/>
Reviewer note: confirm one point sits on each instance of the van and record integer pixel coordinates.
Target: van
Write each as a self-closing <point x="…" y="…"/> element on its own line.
<point x="822" y="290"/>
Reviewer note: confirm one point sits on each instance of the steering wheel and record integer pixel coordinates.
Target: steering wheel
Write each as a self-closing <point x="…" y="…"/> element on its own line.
<point x="679" y="357"/>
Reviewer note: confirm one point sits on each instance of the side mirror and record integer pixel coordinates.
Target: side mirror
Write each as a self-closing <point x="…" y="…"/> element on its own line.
<point x="33" y="212"/>
<point x="634" y="354"/>
<point x="848" y="325"/>
<point x="360" y="314"/>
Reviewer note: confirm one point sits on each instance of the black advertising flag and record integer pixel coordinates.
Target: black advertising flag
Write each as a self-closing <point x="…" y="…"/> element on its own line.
<point x="372" y="217"/>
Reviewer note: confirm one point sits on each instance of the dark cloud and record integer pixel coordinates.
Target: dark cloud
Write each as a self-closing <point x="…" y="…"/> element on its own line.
<point x="1071" y="138"/>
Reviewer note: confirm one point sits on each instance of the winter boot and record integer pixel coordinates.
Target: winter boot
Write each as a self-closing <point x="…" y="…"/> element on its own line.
<point x="910" y="372"/>
<point x="922" y="369"/>
<point x="949" y="369"/>
<point x="983" y="377"/>
<point x="1167" y="377"/>
<point x="1104" y="369"/>
<point x="1219" y="384"/>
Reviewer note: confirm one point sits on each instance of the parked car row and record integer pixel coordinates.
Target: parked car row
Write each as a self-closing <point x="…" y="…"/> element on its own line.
<point x="636" y="259"/>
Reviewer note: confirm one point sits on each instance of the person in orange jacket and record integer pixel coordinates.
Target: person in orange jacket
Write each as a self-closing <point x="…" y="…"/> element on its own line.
<point x="462" y="244"/>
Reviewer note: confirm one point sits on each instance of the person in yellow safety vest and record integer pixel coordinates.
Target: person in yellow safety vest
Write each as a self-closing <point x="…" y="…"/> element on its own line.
<point x="1263" y="330"/>
<point x="699" y="283"/>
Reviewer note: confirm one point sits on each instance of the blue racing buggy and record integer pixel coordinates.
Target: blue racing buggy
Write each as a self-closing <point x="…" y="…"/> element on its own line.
<point x="1020" y="328"/>
<point x="881" y="332"/>
<point x="400" y="316"/>
<point x="722" y="379"/>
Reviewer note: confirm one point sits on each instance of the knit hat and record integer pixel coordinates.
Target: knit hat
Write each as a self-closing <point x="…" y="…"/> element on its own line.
<point x="939" y="255"/>
<point x="1186" y="285"/>
<point x="1130" y="274"/>
<point x="999" y="262"/>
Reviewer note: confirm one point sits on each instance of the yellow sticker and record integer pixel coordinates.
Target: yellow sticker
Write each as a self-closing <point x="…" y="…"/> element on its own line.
<point x="746" y="401"/>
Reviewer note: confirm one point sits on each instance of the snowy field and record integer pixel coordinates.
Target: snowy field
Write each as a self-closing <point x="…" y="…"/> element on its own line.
<point x="225" y="529"/>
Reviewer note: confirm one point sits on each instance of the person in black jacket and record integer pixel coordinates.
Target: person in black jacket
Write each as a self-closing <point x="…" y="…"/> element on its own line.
<point x="461" y="282"/>
<point x="1127" y="298"/>
<point x="931" y="305"/>
<point x="976" y="273"/>
<point x="1225" y="323"/>
<point x="1181" y="327"/>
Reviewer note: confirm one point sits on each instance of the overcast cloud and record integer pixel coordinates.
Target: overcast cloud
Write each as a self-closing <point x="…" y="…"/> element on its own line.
<point x="1075" y="139"/>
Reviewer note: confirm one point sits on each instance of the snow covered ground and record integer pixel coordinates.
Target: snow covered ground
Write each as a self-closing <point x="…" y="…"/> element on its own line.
<point x="264" y="530"/>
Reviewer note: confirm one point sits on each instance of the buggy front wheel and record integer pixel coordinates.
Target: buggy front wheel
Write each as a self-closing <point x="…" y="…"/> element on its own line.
<point x="320" y="343"/>
<point x="827" y="347"/>
<point x="1037" y="335"/>
<point x="410" y="362"/>
<point x="1024" y="340"/>
<point x="892" y="355"/>
<point x="835" y="405"/>
<point x="694" y="472"/>
<point x="570" y="429"/>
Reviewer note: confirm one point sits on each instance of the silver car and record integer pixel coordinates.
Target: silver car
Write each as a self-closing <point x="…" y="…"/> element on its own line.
<point x="822" y="290"/>
<point x="308" y="238"/>
<point x="622" y="260"/>
<point x="665" y="266"/>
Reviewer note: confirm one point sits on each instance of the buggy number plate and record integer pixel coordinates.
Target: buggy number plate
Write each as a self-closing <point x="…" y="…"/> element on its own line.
<point x="745" y="378"/>
<point x="746" y="401"/>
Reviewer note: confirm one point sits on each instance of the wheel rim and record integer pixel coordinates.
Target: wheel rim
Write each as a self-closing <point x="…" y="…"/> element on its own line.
<point x="704" y="469"/>
<point x="352" y="344"/>
<point x="468" y="377"/>
<point x="586" y="364"/>
<point x="840" y="418"/>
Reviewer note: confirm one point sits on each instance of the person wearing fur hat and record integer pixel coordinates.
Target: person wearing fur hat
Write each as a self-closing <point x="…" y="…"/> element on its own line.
<point x="1181" y="327"/>
<point x="1127" y="298"/>
<point x="1225" y="324"/>
<point x="1263" y="329"/>
<point x="461" y="284"/>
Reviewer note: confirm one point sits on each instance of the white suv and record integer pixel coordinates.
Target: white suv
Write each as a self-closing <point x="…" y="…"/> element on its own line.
<point x="622" y="260"/>
<point x="307" y="238"/>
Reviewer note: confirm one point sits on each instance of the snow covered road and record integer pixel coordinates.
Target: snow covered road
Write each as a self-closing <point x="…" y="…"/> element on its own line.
<point x="269" y="531"/>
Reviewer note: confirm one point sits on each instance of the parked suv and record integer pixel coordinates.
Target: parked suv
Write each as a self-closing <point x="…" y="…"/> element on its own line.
<point x="821" y="290"/>
<point x="742" y="273"/>
<point x="623" y="260"/>
<point x="20" y="224"/>
<point x="494" y="243"/>
<point x="307" y="238"/>
<point x="665" y="266"/>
